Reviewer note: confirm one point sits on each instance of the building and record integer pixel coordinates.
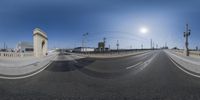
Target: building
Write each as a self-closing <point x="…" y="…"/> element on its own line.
<point x="23" y="46"/>
<point x="101" y="46"/>
<point x="84" y="49"/>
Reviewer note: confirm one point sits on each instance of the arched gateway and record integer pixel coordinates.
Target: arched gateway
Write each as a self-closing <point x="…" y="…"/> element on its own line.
<point x="40" y="43"/>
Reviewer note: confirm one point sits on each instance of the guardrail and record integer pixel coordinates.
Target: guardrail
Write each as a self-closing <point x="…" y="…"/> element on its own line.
<point x="14" y="54"/>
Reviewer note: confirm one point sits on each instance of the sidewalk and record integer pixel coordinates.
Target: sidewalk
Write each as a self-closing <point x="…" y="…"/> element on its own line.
<point x="15" y="68"/>
<point x="188" y="63"/>
<point x="17" y="62"/>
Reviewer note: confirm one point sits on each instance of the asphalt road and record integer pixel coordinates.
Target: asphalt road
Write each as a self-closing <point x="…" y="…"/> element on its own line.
<point x="150" y="76"/>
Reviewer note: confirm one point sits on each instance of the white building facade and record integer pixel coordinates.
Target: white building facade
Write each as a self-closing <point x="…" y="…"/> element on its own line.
<point x="23" y="46"/>
<point x="84" y="49"/>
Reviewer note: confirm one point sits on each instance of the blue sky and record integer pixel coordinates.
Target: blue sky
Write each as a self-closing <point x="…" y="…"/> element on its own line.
<point x="65" y="21"/>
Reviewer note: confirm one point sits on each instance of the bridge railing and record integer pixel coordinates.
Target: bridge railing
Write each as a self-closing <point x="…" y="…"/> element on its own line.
<point x="179" y="51"/>
<point x="195" y="53"/>
<point x="111" y="52"/>
<point x="14" y="54"/>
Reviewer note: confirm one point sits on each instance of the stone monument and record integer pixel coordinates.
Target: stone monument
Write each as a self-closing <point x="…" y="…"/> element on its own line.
<point x="40" y="43"/>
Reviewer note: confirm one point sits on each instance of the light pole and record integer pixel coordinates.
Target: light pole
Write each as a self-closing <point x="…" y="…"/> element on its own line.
<point x="151" y="44"/>
<point x="186" y="34"/>
<point x="4" y="46"/>
<point x="156" y="46"/>
<point x="117" y="45"/>
<point x="104" y="41"/>
<point x="84" y="39"/>
<point x="142" y="46"/>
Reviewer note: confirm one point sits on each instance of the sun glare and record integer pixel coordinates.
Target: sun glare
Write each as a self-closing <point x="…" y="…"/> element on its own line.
<point x="143" y="30"/>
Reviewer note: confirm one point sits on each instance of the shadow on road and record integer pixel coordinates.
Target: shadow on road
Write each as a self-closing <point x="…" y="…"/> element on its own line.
<point x="109" y="75"/>
<point x="82" y="66"/>
<point x="65" y="66"/>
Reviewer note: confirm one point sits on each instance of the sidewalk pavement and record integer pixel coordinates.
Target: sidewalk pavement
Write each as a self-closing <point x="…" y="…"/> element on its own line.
<point x="115" y="55"/>
<point x="16" y="68"/>
<point x="17" y="62"/>
<point x="188" y="63"/>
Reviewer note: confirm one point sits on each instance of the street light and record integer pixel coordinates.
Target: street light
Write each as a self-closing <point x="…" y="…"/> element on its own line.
<point x="117" y="46"/>
<point x="84" y="39"/>
<point x="186" y="34"/>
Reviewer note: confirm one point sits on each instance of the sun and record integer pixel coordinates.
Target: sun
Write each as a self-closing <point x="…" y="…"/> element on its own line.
<point x="143" y="30"/>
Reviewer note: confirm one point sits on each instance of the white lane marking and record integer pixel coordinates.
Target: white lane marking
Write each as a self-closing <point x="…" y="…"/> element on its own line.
<point x="183" y="69"/>
<point x="134" y="65"/>
<point x="149" y="61"/>
<point x="145" y="54"/>
<point x="75" y="61"/>
<point x="21" y="77"/>
<point x="143" y="63"/>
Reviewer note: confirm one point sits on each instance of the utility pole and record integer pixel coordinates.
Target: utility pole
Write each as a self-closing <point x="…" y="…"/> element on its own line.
<point x="104" y="41"/>
<point x="156" y="46"/>
<point x="186" y="34"/>
<point x="141" y="46"/>
<point x="4" y="46"/>
<point x="84" y="39"/>
<point x="117" y="45"/>
<point x="165" y="46"/>
<point x="151" y="44"/>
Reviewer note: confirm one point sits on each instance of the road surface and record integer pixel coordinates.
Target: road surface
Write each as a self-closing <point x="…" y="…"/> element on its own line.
<point x="151" y="76"/>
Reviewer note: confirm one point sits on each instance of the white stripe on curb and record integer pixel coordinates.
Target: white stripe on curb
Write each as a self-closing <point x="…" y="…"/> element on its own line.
<point x="21" y="77"/>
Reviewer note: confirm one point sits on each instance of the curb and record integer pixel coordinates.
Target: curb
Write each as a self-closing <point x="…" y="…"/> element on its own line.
<point x="187" y="71"/>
